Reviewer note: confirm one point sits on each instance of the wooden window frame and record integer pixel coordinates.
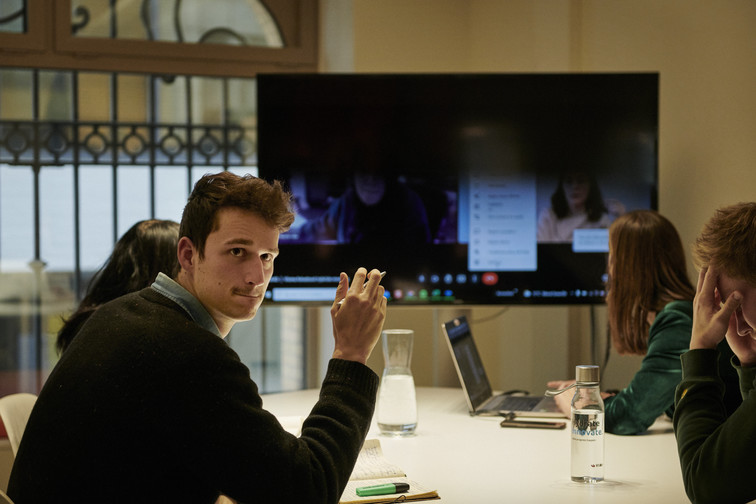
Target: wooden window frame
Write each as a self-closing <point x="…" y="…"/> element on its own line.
<point x="49" y="43"/>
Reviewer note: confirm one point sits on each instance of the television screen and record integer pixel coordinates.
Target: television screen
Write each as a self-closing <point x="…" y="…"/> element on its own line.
<point x="464" y="188"/>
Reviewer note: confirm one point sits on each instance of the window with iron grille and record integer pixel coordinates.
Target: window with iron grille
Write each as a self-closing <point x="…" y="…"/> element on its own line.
<point x="86" y="153"/>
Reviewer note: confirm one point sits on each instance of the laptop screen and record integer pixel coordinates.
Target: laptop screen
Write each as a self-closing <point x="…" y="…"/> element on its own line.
<point x="467" y="361"/>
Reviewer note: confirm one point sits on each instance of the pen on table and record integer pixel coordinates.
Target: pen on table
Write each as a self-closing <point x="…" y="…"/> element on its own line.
<point x="383" y="274"/>
<point x="385" y="489"/>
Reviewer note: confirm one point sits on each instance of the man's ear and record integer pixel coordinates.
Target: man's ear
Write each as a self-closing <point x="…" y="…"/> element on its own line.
<point x="187" y="254"/>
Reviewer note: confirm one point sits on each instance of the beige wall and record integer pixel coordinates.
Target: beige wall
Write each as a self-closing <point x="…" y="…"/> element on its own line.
<point x="705" y="52"/>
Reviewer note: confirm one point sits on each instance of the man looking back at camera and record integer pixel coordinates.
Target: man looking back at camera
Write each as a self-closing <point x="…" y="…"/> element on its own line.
<point x="149" y="404"/>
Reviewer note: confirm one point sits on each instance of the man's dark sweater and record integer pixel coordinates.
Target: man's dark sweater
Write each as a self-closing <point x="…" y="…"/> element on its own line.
<point x="147" y="406"/>
<point x="716" y="450"/>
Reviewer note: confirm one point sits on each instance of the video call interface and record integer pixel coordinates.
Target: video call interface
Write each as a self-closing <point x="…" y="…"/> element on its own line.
<point x="455" y="199"/>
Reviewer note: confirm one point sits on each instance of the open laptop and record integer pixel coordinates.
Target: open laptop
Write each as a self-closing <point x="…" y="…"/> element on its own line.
<point x="480" y="398"/>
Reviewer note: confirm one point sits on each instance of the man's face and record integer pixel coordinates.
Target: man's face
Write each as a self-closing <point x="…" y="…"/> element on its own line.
<point x="745" y="315"/>
<point x="231" y="279"/>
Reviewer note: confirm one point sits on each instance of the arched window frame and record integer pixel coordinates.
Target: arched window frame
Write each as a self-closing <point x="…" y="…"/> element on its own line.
<point x="49" y="43"/>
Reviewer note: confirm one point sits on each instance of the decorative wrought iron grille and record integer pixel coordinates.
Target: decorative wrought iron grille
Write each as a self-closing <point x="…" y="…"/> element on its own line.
<point x="40" y="138"/>
<point x="24" y="142"/>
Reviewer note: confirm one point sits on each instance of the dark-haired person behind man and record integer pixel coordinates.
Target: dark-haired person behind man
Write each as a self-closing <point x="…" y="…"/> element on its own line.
<point x="149" y="404"/>
<point x="146" y="249"/>
<point x="717" y="451"/>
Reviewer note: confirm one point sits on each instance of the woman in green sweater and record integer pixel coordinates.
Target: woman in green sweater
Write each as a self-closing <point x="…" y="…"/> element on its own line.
<point x="649" y="303"/>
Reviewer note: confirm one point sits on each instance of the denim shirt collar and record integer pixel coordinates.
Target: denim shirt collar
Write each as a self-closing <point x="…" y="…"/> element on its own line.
<point x="182" y="297"/>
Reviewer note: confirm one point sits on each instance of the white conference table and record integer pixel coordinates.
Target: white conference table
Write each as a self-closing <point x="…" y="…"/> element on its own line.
<point x="472" y="460"/>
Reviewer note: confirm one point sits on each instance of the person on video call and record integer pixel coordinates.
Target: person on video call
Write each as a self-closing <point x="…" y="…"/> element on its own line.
<point x="649" y="306"/>
<point x="575" y="204"/>
<point x="716" y="450"/>
<point x="374" y="210"/>
<point x="149" y="404"/>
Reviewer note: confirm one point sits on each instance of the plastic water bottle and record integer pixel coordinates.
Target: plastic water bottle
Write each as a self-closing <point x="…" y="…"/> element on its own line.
<point x="587" y="450"/>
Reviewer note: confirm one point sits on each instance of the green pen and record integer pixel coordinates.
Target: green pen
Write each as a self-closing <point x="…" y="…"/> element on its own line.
<point x="388" y="488"/>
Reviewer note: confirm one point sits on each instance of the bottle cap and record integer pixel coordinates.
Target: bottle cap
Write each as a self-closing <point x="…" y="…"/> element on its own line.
<point x="587" y="374"/>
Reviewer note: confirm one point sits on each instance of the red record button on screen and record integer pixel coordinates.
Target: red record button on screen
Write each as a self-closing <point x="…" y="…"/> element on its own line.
<point x="490" y="278"/>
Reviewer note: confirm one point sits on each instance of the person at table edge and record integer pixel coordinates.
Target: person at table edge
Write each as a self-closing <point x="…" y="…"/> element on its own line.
<point x="716" y="450"/>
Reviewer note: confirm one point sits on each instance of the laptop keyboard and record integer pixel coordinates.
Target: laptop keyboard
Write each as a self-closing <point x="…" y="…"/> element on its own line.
<point x="516" y="403"/>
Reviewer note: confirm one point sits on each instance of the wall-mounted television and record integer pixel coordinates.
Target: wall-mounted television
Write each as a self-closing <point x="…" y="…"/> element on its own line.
<point x="466" y="188"/>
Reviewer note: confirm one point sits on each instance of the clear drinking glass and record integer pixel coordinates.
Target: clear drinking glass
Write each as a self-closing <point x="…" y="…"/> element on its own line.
<point x="397" y="404"/>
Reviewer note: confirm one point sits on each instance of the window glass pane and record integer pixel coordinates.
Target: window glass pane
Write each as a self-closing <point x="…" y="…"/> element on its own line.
<point x="95" y="215"/>
<point x="16" y="217"/>
<point x="233" y="22"/>
<point x="272" y="346"/>
<point x="16" y="94"/>
<point x="246" y="339"/>
<point x="171" y="192"/>
<point x="14" y="16"/>
<point x="56" y="209"/>
<point x="94" y="97"/>
<point x="208" y="100"/>
<point x="134" y="189"/>
<point x="129" y="20"/>
<point x="57" y="252"/>
<point x="55" y="96"/>
<point x="133" y="98"/>
<point x="91" y="18"/>
<point x="291" y="349"/>
<point x="242" y="93"/>
<point x="171" y="99"/>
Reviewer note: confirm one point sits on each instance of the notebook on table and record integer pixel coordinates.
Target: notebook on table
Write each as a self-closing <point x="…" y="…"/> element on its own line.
<point x="477" y="388"/>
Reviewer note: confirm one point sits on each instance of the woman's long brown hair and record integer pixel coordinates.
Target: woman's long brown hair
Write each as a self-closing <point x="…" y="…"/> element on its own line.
<point x="646" y="271"/>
